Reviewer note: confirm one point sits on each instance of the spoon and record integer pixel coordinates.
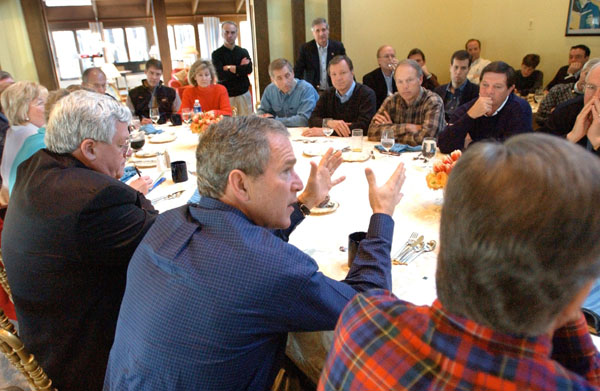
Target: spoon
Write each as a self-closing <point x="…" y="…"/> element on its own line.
<point x="429" y="246"/>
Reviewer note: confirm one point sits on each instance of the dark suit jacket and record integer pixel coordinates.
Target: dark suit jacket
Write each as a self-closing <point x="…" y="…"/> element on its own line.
<point x="376" y="81"/>
<point x="308" y="67"/>
<point x="470" y="92"/>
<point x="67" y="240"/>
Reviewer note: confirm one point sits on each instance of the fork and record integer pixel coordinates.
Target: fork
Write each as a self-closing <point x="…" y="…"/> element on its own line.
<point x="411" y="240"/>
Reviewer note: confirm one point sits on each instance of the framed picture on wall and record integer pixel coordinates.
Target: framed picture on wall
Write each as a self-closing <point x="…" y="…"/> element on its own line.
<point x="583" y="17"/>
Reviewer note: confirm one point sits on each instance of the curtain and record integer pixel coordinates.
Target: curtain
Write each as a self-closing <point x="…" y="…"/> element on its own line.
<point x="212" y="28"/>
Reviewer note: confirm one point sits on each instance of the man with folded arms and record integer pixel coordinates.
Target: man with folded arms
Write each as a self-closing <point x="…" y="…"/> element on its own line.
<point x="381" y="80"/>
<point x="460" y="90"/>
<point x="68" y="236"/>
<point x="349" y="104"/>
<point x="214" y="287"/>
<point x="519" y="252"/>
<point x="287" y="99"/>
<point x="579" y="119"/>
<point x="413" y="112"/>
<point x="578" y="55"/>
<point x="561" y="93"/>
<point x="497" y="114"/>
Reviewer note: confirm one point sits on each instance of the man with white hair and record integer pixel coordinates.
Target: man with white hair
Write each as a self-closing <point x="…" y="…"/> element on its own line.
<point x="68" y="237"/>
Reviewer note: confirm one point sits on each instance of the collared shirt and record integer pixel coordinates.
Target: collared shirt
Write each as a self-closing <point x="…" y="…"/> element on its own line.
<point x="344" y="98"/>
<point x="427" y="110"/>
<point x="211" y="297"/>
<point x="476" y="68"/>
<point x="323" y="65"/>
<point x="500" y="107"/>
<point x="291" y="109"/>
<point x="452" y="99"/>
<point x="389" y="80"/>
<point x="558" y="94"/>
<point x="382" y="343"/>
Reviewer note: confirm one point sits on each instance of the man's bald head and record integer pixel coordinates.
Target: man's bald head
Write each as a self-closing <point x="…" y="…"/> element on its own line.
<point x="95" y="79"/>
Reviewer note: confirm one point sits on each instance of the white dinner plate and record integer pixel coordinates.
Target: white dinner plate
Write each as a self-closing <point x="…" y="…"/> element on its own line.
<point x="164" y="137"/>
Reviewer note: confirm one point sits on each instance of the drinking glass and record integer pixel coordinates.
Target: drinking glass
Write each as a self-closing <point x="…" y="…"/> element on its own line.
<point x="154" y="115"/>
<point x="539" y="95"/>
<point x="186" y="116"/>
<point x="388" y="139"/>
<point x="357" y="140"/>
<point x="137" y="140"/>
<point x="327" y="131"/>
<point x="428" y="148"/>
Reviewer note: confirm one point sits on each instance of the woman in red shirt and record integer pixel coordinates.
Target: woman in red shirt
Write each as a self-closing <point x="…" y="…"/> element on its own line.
<point x="212" y="96"/>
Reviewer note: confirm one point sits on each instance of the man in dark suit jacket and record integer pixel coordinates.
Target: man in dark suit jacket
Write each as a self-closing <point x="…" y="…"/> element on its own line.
<point x="460" y="90"/>
<point x="316" y="54"/>
<point x="381" y="80"/>
<point x="69" y="234"/>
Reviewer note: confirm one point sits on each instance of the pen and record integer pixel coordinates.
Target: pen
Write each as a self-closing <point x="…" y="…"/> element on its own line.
<point x="158" y="182"/>
<point x="138" y="171"/>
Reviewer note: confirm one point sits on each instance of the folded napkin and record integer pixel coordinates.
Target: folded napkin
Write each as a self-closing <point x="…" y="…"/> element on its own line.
<point x="128" y="172"/>
<point x="149" y="129"/>
<point x="399" y="148"/>
<point x="195" y="198"/>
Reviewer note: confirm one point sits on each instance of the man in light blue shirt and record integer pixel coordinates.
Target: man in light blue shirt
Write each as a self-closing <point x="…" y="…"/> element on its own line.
<point x="287" y="99"/>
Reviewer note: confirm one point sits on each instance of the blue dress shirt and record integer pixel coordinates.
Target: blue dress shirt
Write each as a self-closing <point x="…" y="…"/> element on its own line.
<point x="211" y="296"/>
<point x="292" y="109"/>
<point x="344" y="98"/>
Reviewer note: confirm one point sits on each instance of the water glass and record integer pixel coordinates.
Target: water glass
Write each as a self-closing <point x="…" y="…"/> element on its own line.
<point x="154" y="115"/>
<point x="429" y="148"/>
<point x="327" y="131"/>
<point x="388" y="139"/>
<point x="357" y="140"/>
<point x="539" y="95"/>
<point x="186" y="115"/>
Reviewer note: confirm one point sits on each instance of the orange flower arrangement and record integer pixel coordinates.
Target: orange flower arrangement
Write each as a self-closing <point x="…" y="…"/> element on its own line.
<point x="441" y="169"/>
<point x="201" y="121"/>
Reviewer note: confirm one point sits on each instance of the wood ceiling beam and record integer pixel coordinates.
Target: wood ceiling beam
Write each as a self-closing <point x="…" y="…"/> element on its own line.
<point x="95" y="9"/>
<point x="239" y="5"/>
<point x="148" y="7"/>
<point x="195" y="6"/>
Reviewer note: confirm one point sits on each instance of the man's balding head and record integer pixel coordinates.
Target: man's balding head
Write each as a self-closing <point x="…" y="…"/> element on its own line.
<point x="95" y="79"/>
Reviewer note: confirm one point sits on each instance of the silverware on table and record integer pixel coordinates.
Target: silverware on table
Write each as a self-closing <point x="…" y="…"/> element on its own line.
<point x="169" y="196"/>
<point x="429" y="246"/>
<point x="408" y="248"/>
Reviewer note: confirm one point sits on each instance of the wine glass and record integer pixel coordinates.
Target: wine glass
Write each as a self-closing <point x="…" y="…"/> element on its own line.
<point x="539" y="95"/>
<point x="154" y="115"/>
<point x="327" y="130"/>
<point x="428" y="148"/>
<point x="137" y="140"/>
<point x="186" y="115"/>
<point x="387" y="139"/>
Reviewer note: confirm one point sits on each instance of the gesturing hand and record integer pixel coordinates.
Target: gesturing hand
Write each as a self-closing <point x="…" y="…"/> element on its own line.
<point x="319" y="181"/>
<point x="385" y="198"/>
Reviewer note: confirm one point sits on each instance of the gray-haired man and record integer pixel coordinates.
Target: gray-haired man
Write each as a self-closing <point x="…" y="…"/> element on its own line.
<point x="230" y="286"/>
<point x="68" y="236"/>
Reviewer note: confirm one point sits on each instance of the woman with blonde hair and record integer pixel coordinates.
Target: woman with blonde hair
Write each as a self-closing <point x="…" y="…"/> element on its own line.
<point x="23" y="104"/>
<point x="212" y="96"/>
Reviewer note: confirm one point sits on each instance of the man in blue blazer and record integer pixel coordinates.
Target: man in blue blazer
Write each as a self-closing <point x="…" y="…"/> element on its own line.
<point x="316" y="54"/>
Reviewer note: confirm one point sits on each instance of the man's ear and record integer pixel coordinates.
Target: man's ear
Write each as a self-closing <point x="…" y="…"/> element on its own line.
<point x="238" y="183"/>
<point x="88" y="149"/>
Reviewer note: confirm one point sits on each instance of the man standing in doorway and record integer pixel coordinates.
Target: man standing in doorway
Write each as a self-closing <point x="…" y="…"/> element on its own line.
<point x="316" y="54"/>
<point x="233" y="66"/>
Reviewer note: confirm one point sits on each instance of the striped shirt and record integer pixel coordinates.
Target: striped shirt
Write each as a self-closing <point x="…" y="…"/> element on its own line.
<point x="382" y="343"/>
<point x="427" y="110"/>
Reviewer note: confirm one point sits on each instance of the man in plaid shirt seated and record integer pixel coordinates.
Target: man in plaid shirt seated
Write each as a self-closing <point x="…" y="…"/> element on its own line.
<point x="519" y="252"/>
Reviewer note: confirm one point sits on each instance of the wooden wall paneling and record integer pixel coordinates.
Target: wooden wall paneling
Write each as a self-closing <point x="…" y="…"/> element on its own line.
<point x="263" y="59"/>
<point x="160" y="21"/>
<point x="298" y="26"/>
<point x="334" y="17"/>
<point x="37" y="29"/>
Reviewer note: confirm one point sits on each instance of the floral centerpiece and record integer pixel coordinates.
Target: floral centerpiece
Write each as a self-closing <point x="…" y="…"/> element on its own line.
<point x="441" y="169"/>
<point x="201" y="121"/>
